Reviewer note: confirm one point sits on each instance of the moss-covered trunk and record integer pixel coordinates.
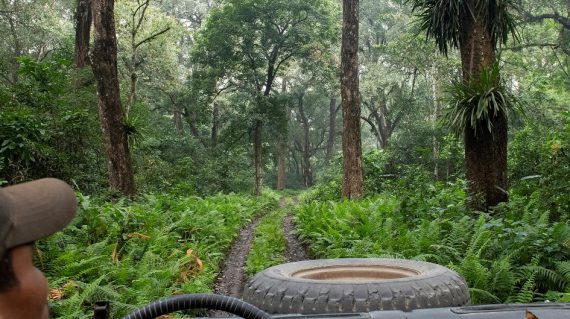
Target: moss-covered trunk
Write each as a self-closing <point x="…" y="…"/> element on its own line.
<point x="111" y="113"/>
<point x="351" y="136"/>
<point x="485" y="152"/>
<point x="83" y="20"/>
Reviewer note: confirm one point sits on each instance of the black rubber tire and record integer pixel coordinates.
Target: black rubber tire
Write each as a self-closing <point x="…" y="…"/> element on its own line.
<point x="277" y="290"/>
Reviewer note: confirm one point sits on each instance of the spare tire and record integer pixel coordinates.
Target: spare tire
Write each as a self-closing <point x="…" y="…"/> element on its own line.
<point x="355" y="285"/>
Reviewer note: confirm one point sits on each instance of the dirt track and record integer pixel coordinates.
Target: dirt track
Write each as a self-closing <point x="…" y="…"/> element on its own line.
<point x="296" y="251"/>
<point x="231" y="280"/>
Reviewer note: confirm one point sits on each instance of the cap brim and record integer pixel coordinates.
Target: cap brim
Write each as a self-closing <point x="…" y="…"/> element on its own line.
<point x="39" y="209"/>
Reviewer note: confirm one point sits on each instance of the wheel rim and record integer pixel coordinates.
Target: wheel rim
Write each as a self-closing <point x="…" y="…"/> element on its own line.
<point x="356" y="273"/>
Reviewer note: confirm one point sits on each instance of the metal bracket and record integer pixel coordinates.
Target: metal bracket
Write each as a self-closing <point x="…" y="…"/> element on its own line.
<point x="102" y="310"/>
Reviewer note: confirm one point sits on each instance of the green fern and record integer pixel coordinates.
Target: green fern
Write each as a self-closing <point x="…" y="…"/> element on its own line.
<point x="527" y="291"/>
<point x="563" y="268"/>
<point x="459" y="235"/>
<point x="502" y="281"/>
<point x="483" y="296"/>
<point x="474" y="272"/>
<point x="547" y="279"/>
<point x="447" y="253"/>
<point x="480" y="238"/>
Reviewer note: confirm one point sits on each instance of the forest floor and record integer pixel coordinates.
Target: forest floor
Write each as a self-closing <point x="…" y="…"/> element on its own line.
<point x="232" y="279"/>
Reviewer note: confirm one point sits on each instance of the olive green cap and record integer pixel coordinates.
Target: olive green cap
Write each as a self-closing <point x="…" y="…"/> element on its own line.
<point x="34" y="210"/>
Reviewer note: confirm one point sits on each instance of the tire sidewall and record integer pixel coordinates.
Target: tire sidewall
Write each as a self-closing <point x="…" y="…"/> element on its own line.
<point x="278" y="290"/>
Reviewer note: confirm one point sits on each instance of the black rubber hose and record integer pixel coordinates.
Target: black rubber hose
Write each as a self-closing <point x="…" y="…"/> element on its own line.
<point x="198" y="301"/>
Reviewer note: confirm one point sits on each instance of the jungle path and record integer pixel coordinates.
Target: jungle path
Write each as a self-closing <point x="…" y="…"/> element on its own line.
<point x="232" y="279"/>
<point x="296" y="251"/>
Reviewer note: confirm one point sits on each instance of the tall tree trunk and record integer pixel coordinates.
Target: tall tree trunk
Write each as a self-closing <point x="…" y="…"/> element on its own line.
<point x="177" y="118"/>
<point x="83" y="19"/>
<point x="282" y="144"/>
<point x="306" y="147"/>
<point x="332" y="130"/>
<point x="11" y="17"/>
<point x="133" y="90"/>
<point x="111" y="114"/>
<point x="281" y="163"/>
<point x="215" y="124"/>
<point x="258" y="129"/>
<point x="434" y="117"/>
<point x="351" y="136"/>
<point x="485" y="152"/>
<point x="257" y="146"/>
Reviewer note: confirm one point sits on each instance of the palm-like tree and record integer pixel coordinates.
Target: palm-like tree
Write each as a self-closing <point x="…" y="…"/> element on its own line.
<point x="476" y="27"/>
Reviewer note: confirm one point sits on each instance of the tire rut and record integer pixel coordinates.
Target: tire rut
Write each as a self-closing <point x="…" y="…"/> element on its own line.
<point x="231" y="280"/>
<point x="296" y="251"/>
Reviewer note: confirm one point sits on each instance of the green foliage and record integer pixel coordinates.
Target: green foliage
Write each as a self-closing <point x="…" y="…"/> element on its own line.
<point x="245" y="45"/>
<point x="24" y="140"/>
<point x="477" y="103"/>
<point x="269" y="244"/>
<point x="517" y="254"/>
<point x="47" y="127"/>
<point x="398" y="167"/>
<point x="540" y="165"/>
<point x="133" y="253"/>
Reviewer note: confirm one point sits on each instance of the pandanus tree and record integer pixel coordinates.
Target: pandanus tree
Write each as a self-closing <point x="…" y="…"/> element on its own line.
<point x="480" y="104"/>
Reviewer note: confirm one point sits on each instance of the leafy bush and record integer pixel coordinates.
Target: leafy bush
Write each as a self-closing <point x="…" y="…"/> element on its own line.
<point x="48" y="127"/>
<point x="167" y="161"/>
<point x="133" y="253"/>
<point x="540" y="166"/>
<point x="25" y="148"/>
<point x="517" y="254"/>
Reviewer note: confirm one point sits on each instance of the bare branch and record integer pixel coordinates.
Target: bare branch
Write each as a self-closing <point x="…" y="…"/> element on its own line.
<point x="152" y="37"/>
<point x="287" y="57"/>
<point x="565" y="22"/>
<point x="532" y="45"/>
<point x="374" y="129"/>
<point x="142" y="6"/>
<point x="6" y="78"/>
<point x="319" y="147"/>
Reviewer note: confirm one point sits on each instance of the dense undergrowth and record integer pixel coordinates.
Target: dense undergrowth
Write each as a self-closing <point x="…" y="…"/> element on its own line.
<point x="517" y="253"/>
<point x="133" y="253"/>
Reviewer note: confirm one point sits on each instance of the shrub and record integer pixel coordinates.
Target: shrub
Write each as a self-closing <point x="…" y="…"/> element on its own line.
<point x="133" y="253"/>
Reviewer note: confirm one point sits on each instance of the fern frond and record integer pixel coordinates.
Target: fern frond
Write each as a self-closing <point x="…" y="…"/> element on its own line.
<point x="480" y="239"/>
<point x="482" y="296"/>
<point x="547" y="279"/>
<point x="459" y="235"/>
<point x="563" y="268"/>
<point x="526" y="294"/>
<point x="447" y="252"/>
<point x="503" y="278"/>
